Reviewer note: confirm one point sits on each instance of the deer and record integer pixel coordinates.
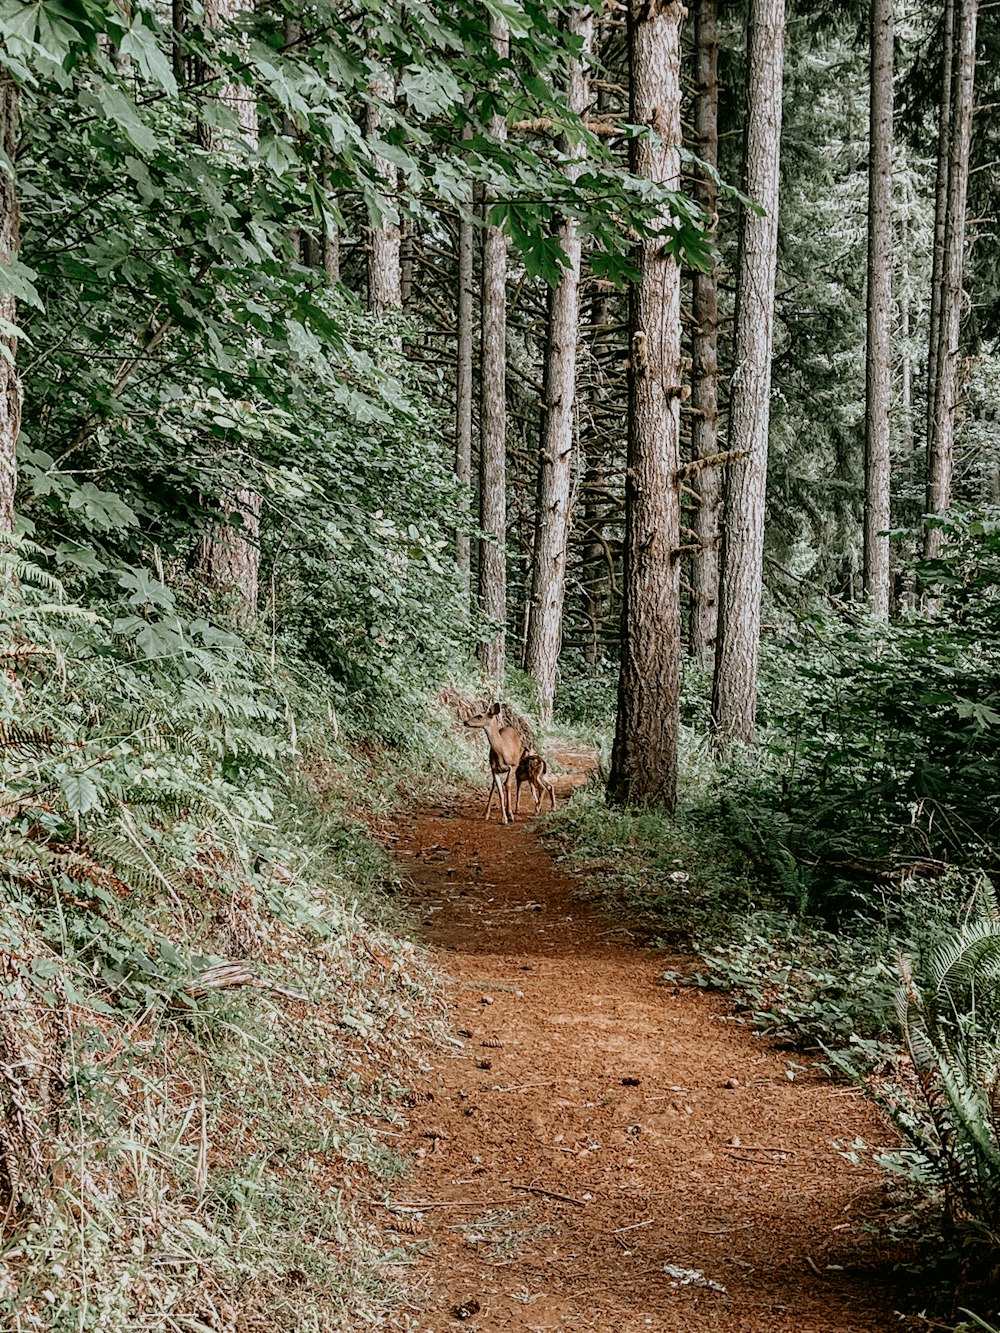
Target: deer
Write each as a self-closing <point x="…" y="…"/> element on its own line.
<point x="534" y="771"/>
<point x="506" y="749"/>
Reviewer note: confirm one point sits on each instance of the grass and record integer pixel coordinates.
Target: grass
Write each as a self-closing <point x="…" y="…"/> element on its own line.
<point x="692" y="884"/>
<point x="211" y="1157"/>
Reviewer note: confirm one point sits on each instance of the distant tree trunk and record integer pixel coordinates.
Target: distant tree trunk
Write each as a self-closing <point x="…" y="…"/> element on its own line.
<point x="644" y="758"/>
<point x="705" y="345"/>
<point x="878" y="395"/>
<point x="10" y="387"/>
<point x="407" y="258"/>
<point x="906" y="363"/>
<point x="734" y="695"/>
<point x="178" y="23"/>
<point x="940" y="215"/>
<point x="228" y="557"/>
<point x="941" y="443"/>
<point x="558" y="419"/>
<point x="463" y="393"/>
<point x="493" y="419"/>
<point x="385" y="294"/>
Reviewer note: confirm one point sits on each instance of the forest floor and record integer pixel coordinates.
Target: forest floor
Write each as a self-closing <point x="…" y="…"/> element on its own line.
<point x="606" y="1150"/>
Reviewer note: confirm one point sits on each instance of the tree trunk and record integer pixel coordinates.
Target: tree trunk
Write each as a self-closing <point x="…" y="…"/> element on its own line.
<point x="463" y="394"/>
<point x="705" y="345"/>
<point x="734" y="695"/>
<point x="385" y="293"/>
<point x="878" y="363"/>
<point x="940" y="215"/>
<point x="644" y="758"/>
<point x="10" y="386"/>
<point x="554" y="513"/>
<point x="228" y="558"/>
<point x="942" y="440"/>
<point x="493" y="420"/>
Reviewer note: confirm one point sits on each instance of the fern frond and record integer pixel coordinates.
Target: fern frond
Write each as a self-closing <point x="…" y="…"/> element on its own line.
<point x="29" y="742"/>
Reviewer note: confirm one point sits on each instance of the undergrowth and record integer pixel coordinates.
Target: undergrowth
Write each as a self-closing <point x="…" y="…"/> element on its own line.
<point x="207" y="1021"/>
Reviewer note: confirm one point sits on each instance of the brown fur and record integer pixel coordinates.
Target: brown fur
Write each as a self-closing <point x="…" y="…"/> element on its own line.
<point x="534" y="771"/>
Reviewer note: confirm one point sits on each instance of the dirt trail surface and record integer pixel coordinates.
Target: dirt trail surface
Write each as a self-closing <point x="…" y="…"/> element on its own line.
<point x="604" y="1150"/>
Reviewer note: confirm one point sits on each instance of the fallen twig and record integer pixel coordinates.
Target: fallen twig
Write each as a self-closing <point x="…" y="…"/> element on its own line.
<point x="632" y="1227"/>
<point x="550" y="1194"/>
<point x="443" y="1203"/>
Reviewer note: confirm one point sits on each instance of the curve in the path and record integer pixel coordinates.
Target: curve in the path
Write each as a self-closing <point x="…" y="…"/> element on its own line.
<point x="605" y="1151"/>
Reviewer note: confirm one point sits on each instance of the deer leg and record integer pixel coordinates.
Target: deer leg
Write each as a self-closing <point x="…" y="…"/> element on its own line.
<point x="551" y="789"/>
<point x="506" y="793"/>
<point x="500" y="788"/>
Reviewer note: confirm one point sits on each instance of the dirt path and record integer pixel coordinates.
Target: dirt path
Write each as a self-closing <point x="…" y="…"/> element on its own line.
<point x="604" y="1151"/>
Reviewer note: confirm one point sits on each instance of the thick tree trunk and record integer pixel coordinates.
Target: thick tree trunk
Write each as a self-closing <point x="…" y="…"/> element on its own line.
<point x="941" y="443"/>
<point x="705" y="346"/>
<point x="554" y="513"/>
<point x="734" y="695"/>
<point x="644" y="758"/>
<point x="10" y="387"/>
<point x="878" y="378"/>
<point x="463" y="393"/>
<point x="385" y="293"/>
<point x="228" y="558"/>
<point x="493" y="421"/>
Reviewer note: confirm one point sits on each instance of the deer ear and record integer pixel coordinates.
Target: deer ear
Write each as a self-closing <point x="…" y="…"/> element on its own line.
<point x="495" y="711"/>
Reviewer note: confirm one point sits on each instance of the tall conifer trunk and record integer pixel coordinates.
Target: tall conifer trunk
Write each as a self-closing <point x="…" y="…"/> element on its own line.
<point x="734" y="695"/>
<point x="463" y="389"/>
<point x="941" y="438"/>
<point x="558" y="421"/>
<point x="705" y="345"/>
<point x="878" y="378"/>
<point x="385" y="287"/>
<point x="10" y="388"/>
<point x="644" y="758"/>
<point x="493" y="419"/>
<point x="940" y="215"/>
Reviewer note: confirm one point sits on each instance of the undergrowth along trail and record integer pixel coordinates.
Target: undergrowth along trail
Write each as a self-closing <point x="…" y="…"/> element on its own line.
<point x="605" y="1150"/>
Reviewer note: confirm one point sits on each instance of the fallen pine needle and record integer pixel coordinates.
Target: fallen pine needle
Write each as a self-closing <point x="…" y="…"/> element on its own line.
<point x="618" y="1230"/>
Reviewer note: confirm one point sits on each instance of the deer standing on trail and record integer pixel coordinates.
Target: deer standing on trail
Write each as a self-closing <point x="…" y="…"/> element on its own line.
<point x="506" y="749"/>
<point x="534" y="771"/>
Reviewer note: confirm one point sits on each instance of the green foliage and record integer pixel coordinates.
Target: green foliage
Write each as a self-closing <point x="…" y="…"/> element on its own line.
<point x="946" y="1110"/>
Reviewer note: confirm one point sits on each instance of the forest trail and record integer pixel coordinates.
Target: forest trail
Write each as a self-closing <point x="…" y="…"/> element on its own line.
<point x="606" y="1151"/>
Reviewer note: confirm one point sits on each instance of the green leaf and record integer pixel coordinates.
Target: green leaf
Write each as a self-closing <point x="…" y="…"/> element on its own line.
<point x="143" y="46"/>
<point x="80" y="792"/>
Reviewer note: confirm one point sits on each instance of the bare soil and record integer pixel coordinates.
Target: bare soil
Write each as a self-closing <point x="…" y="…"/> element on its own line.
<point x="604" y="1150"/>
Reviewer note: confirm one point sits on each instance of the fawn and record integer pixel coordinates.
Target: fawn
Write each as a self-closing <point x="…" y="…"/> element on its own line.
<point x="534" y="771"/>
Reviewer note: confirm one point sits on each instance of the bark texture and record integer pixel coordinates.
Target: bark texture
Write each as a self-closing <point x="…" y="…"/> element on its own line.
<point x="941" y="439"/>
<point x="463" y="392"/>
<point x="644" y="758"/>
<point x="227" y="558"/>
<point x="878" y="361"/>
<point x="940" y="212"/>
<point x="385" y="289"/>
<point x="493" y="421"/>
<point x="705" y="346"/>
<point x="10" y="387"/>
<point x="734" y="695"/>
<point x="555" y="480"/>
